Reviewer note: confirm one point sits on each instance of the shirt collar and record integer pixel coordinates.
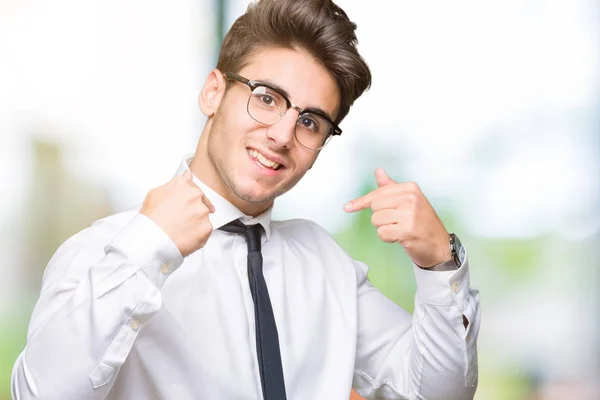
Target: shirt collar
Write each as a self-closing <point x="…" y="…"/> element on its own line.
<point x="225" y="212"/>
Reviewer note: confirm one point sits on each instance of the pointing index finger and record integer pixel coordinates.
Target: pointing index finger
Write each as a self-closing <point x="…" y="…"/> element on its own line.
<point x="361" y="202"/>
<point x="365" y="201"/>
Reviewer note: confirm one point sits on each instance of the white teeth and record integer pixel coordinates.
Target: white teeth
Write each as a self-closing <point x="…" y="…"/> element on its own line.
<point x="262" y="159"/>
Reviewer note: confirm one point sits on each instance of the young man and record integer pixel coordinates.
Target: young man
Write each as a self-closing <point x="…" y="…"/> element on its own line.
<point x="176" y="300"/>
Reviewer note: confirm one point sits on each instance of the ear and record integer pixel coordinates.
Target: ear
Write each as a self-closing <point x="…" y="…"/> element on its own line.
<point x="212" y="93"/>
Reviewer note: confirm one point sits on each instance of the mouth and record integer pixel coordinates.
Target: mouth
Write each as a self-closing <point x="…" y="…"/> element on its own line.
<point x="264" y="161"/>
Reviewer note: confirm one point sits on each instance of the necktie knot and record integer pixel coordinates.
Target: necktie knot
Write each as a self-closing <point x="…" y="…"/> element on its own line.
<point x="251" y="233"/>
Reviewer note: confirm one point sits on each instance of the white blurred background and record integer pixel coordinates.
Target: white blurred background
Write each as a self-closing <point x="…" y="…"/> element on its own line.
<point x="492" y="107"/>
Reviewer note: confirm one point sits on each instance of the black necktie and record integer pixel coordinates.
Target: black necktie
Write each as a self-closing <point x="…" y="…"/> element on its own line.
<point x="267" y="339"/>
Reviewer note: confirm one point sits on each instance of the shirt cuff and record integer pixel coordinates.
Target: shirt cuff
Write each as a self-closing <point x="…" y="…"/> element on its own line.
<point x="443" y="287"/>
<point x="146" y="244"/>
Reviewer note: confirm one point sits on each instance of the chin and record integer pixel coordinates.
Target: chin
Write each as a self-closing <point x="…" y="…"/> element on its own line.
<point x="254" y="197"/>
<point x="252" y="192"/>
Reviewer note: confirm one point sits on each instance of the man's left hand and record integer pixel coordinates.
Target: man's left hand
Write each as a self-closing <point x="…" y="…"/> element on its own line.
<point x="402" y="213"/>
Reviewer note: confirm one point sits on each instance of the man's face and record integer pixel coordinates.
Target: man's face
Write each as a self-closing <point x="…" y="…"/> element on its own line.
<point x="237" y="143"/>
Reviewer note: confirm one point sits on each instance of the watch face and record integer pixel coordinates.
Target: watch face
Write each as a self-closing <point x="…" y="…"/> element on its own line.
<point x="457" y="244"/>
<point x="458" y="251"/>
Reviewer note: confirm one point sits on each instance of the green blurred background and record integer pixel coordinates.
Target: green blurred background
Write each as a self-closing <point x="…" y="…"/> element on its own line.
<point x="493" y="108"/>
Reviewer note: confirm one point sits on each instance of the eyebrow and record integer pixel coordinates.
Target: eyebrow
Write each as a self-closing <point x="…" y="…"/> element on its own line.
<point x="315" y="110"/>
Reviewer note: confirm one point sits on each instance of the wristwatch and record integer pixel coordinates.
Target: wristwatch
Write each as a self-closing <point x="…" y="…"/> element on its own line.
<point x="455" y="262"/>
<point x="455" y="246"/>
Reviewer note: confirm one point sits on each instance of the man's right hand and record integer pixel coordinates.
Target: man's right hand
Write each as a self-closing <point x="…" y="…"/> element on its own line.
<point x="181" y="209"/>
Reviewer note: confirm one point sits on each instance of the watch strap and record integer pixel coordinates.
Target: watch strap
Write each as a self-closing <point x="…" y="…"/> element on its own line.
<point x="449" y="265"/>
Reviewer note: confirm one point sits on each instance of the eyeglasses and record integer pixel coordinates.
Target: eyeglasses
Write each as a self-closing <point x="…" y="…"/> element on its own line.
<point x="267" y="105"/>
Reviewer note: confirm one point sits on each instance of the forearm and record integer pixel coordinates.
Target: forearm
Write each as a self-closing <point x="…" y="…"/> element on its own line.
<point x="446" y="325"/>
<point x="84" y="326"/>
<point x="423" y="363"/>
<point x="64" y="357"/>
<point x="427" y="355"/>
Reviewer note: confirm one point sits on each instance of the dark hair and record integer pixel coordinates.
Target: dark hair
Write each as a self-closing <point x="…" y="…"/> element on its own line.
<point x="319" y="27"/>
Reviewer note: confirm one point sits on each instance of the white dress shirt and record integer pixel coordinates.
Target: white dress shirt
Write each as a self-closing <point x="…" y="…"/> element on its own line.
<point x="121" y="315"/>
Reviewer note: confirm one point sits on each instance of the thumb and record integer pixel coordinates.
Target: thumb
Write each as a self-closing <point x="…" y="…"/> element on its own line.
<point x="382" y="178"/>
<point x="187" y="174"/>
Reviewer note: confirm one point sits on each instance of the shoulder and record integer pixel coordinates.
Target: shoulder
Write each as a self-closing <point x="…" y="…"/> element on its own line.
<point x="102" y="230"/>
<point x="86" y="246"/>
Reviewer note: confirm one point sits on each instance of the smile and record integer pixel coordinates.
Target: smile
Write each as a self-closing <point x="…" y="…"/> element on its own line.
<point x="263" y="160"/>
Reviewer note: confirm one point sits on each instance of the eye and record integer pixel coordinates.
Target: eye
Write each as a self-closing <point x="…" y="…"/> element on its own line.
<point x="267" y="100"/>
<point x="308" y="123"/>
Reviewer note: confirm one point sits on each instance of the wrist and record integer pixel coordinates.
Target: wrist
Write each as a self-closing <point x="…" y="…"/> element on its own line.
<point x="450" y="260"/>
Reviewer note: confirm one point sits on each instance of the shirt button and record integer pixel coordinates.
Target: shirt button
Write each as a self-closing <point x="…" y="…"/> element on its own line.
<point x="135" y="324"/>
<point x="455" y="287"/>
<point x="165" y="268"/>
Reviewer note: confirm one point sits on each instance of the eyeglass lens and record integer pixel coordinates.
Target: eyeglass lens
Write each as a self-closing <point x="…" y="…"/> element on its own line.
<point x="267" y="106"/>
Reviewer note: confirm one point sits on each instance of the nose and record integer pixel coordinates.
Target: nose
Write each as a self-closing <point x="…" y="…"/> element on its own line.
<point x="282" y="132"/>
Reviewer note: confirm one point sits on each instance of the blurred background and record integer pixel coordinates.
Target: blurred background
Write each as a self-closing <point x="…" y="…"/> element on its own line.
<point x="492" y="107"/>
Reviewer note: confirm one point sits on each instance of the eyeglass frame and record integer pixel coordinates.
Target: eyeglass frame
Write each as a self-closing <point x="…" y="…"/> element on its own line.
<point x="252" y="84"/>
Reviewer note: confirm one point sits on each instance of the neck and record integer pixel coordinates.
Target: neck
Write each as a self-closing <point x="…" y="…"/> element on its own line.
<point x="205" y="171"/>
